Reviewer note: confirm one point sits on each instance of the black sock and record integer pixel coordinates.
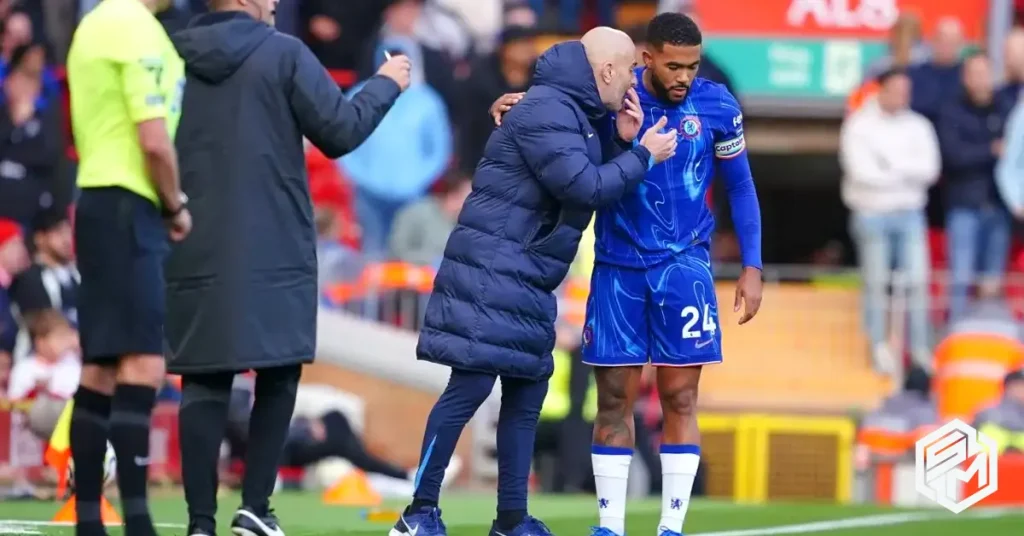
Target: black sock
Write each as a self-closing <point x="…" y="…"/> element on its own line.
<point x="272" y="409"/>
<point x="130" y="417"/>
<point x="202" y="418"/>
<point x="420" y="504"/>
<point x="90" y="421"/>
<point x="510" y="519"/>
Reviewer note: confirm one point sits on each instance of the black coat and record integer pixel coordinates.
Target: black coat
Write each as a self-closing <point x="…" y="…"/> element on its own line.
<point x="242" y="288"/>
<point x="30" y="157"/>
<point x="966" y="134"/>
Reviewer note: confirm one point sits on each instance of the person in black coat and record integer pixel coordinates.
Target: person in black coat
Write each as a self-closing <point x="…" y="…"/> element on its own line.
<point x="556" y="157"/>
<point x="31" y="140"/>
<point x="508" y="70"/>
<point x="242" y="288"/>
<point x="978" y="223"/>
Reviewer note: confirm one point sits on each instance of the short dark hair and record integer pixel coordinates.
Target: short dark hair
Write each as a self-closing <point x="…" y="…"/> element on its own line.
<point x="888" y="74"/>
<point x="673" y="29"/>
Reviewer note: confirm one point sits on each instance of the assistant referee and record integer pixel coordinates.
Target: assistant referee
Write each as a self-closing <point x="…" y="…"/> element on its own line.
<point x="126" y="82"/>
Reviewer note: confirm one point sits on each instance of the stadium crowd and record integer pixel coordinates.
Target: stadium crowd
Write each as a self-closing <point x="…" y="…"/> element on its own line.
<point x="928" y="114"/>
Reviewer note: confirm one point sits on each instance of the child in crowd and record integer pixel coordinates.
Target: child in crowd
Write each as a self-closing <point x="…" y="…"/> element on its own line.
<point x="47" y="379"/>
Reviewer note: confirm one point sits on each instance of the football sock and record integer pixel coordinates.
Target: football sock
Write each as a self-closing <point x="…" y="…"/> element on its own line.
<point x="679" y="469"/>
<point x="457" y="404"/>
<point x="611" y="476"/>
<point x="271" y="418"/>
<point x="130" y="417"/>
<point x="510" y="519"/>
<point x="90" y="421"/>
<point x="202" y="419"/>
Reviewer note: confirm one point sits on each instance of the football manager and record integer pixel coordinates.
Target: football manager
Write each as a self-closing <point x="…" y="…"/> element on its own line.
<point x="242" y="289"/>
<point x="558" y="155"/>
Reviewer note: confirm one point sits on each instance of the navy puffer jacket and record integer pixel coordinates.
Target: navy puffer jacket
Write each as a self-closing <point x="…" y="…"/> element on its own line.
<point x="534" y="192"/>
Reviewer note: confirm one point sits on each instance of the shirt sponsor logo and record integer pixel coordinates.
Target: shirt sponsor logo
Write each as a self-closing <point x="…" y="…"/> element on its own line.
<point x="730" y="148"/>
<point x="737" y="121"/>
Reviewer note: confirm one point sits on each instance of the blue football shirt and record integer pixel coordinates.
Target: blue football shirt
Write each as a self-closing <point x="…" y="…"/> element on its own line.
<point x="668" y="213"/>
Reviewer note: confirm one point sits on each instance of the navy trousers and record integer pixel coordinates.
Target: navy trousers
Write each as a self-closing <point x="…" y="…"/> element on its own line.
<point x="521" y="401"/>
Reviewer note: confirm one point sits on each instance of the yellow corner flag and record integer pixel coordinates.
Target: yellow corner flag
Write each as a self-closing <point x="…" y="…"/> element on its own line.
<point x="58" y="452"/>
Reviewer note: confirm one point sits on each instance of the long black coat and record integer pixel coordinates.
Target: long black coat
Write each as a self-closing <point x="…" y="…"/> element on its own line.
<point x="242" y="288"/>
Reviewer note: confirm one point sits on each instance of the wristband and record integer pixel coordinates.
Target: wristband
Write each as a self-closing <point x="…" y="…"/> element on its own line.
<point x="167" y="213"/>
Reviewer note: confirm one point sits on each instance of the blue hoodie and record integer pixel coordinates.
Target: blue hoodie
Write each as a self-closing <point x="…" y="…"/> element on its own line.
<point x="550" y="164"/>
<point x="409" y="150"/>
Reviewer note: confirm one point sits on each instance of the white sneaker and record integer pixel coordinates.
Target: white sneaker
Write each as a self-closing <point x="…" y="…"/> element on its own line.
<point x="883" y="359"/>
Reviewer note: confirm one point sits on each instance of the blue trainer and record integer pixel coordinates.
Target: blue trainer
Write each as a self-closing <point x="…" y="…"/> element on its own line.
<point x="662" y="531"/>
<point x="424" y="522"/>
<point x="529" y="526"/>
<point x="603" y="531"/>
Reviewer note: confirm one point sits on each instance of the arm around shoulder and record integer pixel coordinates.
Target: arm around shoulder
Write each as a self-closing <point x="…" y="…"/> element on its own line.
<point x="554" y="146"/>
<point x="333" y="123"/>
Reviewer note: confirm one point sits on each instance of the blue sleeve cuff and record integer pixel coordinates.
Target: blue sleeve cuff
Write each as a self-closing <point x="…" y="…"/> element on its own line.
<point x="650" y="159"/>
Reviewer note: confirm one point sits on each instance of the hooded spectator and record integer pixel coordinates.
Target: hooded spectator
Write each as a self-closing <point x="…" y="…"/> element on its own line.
<point x="508" y="70"/>
<point x="31" y="139"/>
<point x="410" y="150"/>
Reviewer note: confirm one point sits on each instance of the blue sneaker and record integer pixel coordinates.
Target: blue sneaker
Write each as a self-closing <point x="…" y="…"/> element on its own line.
<point x="603" y="531"/>
<point x="425" y="522"/>
<point x="529" y="526"/>
<point x="662" y="531"/>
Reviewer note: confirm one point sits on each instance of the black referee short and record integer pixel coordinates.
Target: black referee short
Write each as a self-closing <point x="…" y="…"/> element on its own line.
<point x="121" y="244"/>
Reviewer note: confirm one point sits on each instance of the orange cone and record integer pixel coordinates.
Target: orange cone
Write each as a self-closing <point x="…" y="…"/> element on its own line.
<point x="66" y="514"/>
<point x="352" y="489"/>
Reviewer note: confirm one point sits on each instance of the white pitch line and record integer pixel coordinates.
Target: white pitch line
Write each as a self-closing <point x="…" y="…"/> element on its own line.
<point x="882" y="520"/>
<point x="5" y="522"/>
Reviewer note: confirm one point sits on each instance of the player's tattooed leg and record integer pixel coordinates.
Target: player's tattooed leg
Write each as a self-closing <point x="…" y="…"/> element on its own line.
<point x="677" y="388"/>
<point x="616" y="392"/>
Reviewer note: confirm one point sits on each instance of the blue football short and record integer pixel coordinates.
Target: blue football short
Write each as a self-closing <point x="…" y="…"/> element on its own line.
<point x="666" y="315"/>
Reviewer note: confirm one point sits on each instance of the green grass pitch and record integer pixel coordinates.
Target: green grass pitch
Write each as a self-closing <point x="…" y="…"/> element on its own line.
<point x="471" y="514"/>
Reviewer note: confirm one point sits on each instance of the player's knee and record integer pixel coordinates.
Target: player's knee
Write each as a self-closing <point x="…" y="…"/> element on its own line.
<point x="99" y="378"/>
<point x="681" y="402"/>
<point x="612" y="398"/>
<point x="142" y="370"/>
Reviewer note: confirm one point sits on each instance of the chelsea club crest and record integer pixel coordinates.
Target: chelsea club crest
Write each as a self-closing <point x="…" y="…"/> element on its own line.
<point x="690" y="127"/>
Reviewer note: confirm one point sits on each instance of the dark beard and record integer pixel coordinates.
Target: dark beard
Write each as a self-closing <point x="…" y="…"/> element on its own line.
<point x="661" y="91"/>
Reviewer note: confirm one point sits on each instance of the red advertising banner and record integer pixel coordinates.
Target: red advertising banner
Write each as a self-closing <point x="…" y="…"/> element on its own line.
<point x="858" y="19"/>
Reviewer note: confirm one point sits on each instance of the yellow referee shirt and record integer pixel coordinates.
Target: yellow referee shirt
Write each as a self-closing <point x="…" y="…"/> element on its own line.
<point x="122" y="70"/>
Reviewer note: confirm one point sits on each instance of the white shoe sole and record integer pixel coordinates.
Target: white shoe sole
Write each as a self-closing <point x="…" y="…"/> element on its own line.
<point x="394" y="532"/>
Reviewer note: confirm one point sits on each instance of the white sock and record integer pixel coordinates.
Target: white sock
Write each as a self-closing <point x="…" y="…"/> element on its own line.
<point x="611" y="474"/>
<point x="678" y="468"/>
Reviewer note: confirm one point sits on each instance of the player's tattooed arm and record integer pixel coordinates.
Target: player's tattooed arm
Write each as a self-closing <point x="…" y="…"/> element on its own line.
<point x="616" y="391"/>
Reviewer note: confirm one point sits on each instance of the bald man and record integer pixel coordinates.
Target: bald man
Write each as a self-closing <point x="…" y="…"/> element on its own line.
<point x="557" y="156"/>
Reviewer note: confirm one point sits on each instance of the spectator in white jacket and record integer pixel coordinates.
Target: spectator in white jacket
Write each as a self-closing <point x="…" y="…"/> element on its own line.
<point x="890" y="157"/>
